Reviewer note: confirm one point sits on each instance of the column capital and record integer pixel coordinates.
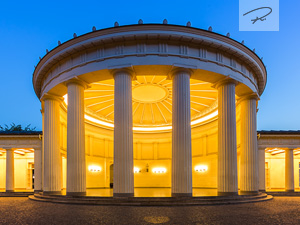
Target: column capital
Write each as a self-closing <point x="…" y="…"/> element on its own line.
<point x="8" y="148"/>
<point x="177" y="70"/>
<point x="226" y="80"/>
<point x="78" y="81"/>
<point x="47" y="96"/>
<point x="127" y="70"/>
<point x="248" y="97"/>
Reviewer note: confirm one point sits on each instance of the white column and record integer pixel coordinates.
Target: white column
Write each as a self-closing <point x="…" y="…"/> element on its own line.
<point x="289" y="170"/>
<point x="10" y="170"/>
<point x="262" y="169"/>
<point x="123" y="139"/>
<point x="37" y="170"/>
<point x="52" y="166"/>
<point x="227" y="148"/>
<point x="43" y="142"/>
<point x="181" y="135"/>
<point x="76" y="168"/>
<point x="249" y="154"/>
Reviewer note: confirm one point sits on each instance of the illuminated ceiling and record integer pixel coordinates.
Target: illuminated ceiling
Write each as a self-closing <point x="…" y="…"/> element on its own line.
<point x="151" y="100"/>
<point x="20" y="151"/>
<point x="276" y="151"/>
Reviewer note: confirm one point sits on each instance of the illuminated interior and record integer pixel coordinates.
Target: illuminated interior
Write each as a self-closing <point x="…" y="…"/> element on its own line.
<point x="152" y="117"/>
<point x="275" y="169"/>
<point x="151" y="103"/>
<point x="152" y="127"/>
<point x="24" y="169"/>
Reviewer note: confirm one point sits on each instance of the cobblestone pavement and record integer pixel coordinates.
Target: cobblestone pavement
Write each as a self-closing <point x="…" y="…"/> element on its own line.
<point x="280" y="210"/>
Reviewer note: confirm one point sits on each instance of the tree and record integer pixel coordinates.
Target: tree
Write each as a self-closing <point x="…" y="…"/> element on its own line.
<point x="14" y="127"/>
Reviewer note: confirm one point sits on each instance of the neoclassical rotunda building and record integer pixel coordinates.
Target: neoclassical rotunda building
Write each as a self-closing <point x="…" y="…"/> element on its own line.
<point x="150" y="106"/>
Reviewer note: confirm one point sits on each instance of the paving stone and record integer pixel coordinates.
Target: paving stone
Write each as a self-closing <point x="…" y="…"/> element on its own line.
<point x="280" y="210"/>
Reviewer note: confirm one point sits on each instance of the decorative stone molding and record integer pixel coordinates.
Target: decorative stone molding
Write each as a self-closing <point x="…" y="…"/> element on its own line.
<point x="147" y="41"/>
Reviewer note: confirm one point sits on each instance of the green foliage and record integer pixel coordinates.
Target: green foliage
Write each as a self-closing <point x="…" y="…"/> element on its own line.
<point x="14" y="127"/>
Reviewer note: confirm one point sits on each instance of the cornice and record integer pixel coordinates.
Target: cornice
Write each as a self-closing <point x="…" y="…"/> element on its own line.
<point x="147" y="32"/>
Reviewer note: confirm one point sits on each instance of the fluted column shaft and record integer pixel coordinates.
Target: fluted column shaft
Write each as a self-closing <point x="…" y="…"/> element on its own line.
<point x="262" y="170"/>
<point x="181" y="135"/>
<point x="227" y="149"/>
<point x="52" y="165"/>
<point x="289" y="170"/>
<point x="123" y="139"/>
<point x="10" y="170"/>
<point x="76" y="167"/>
<point x="249" y="152"/>
<point x="37" y="170"/>
<point x="43" y="142"/>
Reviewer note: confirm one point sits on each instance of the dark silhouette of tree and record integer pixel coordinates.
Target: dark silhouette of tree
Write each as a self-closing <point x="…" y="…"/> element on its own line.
<point x="14" y="127"/>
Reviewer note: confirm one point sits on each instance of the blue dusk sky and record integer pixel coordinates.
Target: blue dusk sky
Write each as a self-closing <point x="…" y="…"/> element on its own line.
<point x="28" y="28"/>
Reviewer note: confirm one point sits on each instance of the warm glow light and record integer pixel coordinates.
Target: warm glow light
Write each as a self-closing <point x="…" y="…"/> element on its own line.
<point x="66" y="98"/>
<point x="94" y="168"/>
<point x="277" y="152"/>
<point x="25" y="150"/>
<point x="152" y="128"/>
<point x="159" y="170"/>
<point x="201" y="168"/>
<point x="208" y="117"/>
<point x="92" y="119"/>
<point x="136" y="170"/>
<point x="19" y="152"/>
<point x="162" y="128"/>
<point x="296" y="151"/>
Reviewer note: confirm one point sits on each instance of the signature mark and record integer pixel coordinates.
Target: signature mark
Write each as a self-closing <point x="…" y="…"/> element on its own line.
<point x="259" y="18"/>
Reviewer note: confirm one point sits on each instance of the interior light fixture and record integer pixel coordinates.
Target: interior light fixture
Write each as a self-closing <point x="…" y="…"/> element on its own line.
<point x="159" y="170"/>
<point x="136" y="170"/>
<point x="201" y="168"/>
<point x="19" y="152"/>
<point x="94" y="168"/>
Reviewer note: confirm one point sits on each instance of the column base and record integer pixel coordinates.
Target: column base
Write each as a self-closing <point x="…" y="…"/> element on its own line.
<point x="227" y="193"/>
<point x="248" y="192"/>
<point x="178" y="195"/>
<point x="76" y="193"/>
<point x="262" y="190"/>
<point x="123" y="195"/>
<point x="52" y="193"/>
<point x="9" y="191"/>
<point x="37" y="191"/>
<point x="290" y="190"/>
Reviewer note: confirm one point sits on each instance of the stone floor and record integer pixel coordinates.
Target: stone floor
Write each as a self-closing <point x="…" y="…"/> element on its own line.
<point x="280" y="210"/>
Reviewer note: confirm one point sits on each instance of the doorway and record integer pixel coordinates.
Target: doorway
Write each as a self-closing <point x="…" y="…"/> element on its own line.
<point x="111" y="174"/>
